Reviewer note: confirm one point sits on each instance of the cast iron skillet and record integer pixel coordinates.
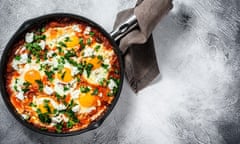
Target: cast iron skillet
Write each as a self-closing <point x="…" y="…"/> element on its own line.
<point x="38" y="22"/>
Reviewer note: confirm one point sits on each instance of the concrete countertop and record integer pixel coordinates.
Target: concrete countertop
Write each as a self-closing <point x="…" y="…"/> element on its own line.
<point x="195" y="100"/>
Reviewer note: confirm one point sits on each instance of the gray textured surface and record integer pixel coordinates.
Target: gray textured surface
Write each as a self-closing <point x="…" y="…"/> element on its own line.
<point x="194" y="101"/>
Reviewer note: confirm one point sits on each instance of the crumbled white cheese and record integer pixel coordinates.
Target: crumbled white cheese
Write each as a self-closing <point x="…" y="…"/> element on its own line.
<point x="74" y="71"/>
<point x="24" y="58"/>
<point x="59" y="118"/>
<point x="20" y="96"/>
<point x="88" y="52"/>
<point x="42" y="44"/>
<point x="15" y="64"/>
<point x="56" y="119"/>
<point x="87" y="30"/>
<point x="61" y="107"/>
<point x="29" y="37"/>
<point x="76" y="108"/>
<point x="50" y="53"/>
<point x="48" y="90"/>
<point x="75" y="94"/>
<point x="112" y="84"/>
<point x="59" y="89"/>
<point x="25" y="116"/>
<point x="76" y="28"/>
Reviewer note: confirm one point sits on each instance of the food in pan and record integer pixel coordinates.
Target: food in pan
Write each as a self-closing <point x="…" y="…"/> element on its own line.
<point x="63" y="76"/>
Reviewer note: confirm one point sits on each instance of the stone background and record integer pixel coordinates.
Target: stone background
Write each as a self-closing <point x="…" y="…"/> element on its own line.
<point x="195" y="100"/>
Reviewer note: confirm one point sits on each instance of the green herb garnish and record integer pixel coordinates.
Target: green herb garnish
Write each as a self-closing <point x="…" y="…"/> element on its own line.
<point x="15" y="88"/>
<point x="84" y="89"/>
<point x="65" y="88"/>
<point x="95" y="91"/>
<point x="18" y="57"/>
<point x="40" y="85"/>
<point x="32" y="104"/>
<point x="105" y="66"/>
<point x="44" y="117"/>
<point x="81" y="42"/>
<point x="100" y="57"/>
<point x="89" y="41"/>
<point x="88" y="69"/>
<point x="67" y="39"/>
<point x="62" y="44"/>
<point x="91" y="33"/>
<point x="49" y="74"/>
<point x="97" y="47"/>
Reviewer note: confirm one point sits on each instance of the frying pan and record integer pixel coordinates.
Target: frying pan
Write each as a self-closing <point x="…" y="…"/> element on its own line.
<point x="113" y="38"/>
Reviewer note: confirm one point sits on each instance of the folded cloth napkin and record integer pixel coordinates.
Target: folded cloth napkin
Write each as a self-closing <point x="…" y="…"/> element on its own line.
<point x="138" y="46"/>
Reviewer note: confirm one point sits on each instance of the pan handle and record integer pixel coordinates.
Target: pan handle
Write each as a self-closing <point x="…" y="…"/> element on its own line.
<point x="124" y="28"/>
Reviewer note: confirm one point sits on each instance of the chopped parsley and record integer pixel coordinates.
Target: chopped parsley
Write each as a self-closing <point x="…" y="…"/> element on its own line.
<point x="18" y="57"/>
<point x="26" y="86"/>
<point x="67" y="39"/>
<point x="89" y="41"/>
<point x="61" y="60"/>
<point x="34" y="49"/>
<point x="40" y="85"/>
<point x="65" y="88"/>
<point x="62" y="44"/>
<point x="60" y="50"/>
<point x="100" y="57"/>
<point x="32" y="104"/>
<point x="95" y="91"/>
<point x="58" y="128"/>
<point x="15" y="88"/>
<point x="16" y="80"/>
<point x="91" y="33"/>
<point x="44" y="117"/>
<point x="81" y="42"/>
<point x="102" y="82"/>
<point x="58" y="96"/>
<point x="69" y="54"/>
<point x="39" y="37"/>
<point x="88" y="69"/>
<point x="84" y="89"/>
<point x="49" y="74"/>
<point x="97" y="47"/>
<point x="105" y="66"/>
<point x="70" y="124"/>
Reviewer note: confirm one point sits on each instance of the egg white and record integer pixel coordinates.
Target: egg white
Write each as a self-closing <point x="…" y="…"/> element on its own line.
<point x="68" y="31"/>
<point x="23" y="68"/>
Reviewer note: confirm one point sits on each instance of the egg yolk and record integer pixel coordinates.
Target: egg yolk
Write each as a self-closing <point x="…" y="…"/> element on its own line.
<point x="44" y="109"/>
<point x="32" y="75"/>
<point x="65" y="75"/>
<point x="55" y="33"/>
<point x="87" y="100"/>
<point x="73" y="41"/>
<point x="95" y="62"/>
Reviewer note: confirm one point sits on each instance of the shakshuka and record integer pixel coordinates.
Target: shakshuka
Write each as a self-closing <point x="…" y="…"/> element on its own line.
<point x="62" y="76"/>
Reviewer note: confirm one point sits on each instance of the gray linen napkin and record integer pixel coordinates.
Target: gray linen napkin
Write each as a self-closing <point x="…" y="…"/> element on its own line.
<point x="138" y="46"/>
